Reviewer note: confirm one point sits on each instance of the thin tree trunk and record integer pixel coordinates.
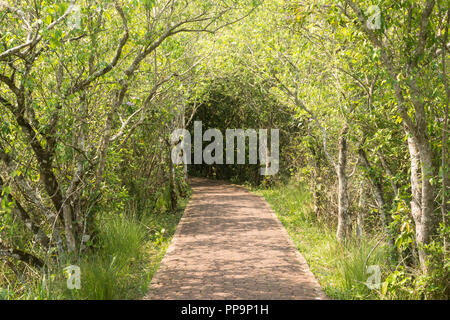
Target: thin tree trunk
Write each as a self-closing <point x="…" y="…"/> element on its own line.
<point x="71" y="209"/>
<point x="379" y="195"/>
<point x="315" y="183"/>
<point x="315" y="193"/>
<point x="344" y="222"/>
<point x="185" y="156"/>
<point x="444" y="163"/>
<point x="360" y="214"/>
<point x="171" y="173"/>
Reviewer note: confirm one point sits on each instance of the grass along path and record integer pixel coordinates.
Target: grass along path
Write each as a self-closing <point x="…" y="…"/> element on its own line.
<point x="127" y="254"/>
<point x="339" y="269"/>
<point x="130" y="255"/>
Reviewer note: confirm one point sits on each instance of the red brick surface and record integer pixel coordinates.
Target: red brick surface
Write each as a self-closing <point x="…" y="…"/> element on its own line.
<point x="230" y="245"/>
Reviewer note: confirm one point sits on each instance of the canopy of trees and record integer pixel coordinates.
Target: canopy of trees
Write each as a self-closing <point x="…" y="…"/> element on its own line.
<point x="91" y="90"/>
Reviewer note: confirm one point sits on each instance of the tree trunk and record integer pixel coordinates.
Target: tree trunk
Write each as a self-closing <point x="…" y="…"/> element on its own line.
<point x="68" y="224"/>
<point x="172" y="187"/>
<point x="315" y="183"/>
<point x="379" y="194"/>
<point x="315" y="194"/>
<point x="360" y="214"/>
<point x="185" y="156"/>
<point x="185" y="172"/>
<point x="422" y="195"/>
<point x="444" y="163"/>
<point x="344" y="222"/>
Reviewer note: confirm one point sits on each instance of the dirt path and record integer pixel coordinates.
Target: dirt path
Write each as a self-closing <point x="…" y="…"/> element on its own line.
<point x="230" y="245"/>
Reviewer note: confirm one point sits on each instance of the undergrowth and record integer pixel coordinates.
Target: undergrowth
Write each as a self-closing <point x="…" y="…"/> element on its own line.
<point x="341" y="269"/>
<point x="120" y="265"/>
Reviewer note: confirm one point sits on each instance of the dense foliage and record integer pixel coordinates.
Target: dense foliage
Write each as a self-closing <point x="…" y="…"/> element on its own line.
<point x="91" y="90"/>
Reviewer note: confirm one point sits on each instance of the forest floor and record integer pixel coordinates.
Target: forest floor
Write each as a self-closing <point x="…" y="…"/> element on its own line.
<point x="230" y="244"/>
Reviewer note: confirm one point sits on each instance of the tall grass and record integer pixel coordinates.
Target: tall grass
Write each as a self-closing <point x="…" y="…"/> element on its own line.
<point x="109" y="272"/>
<point x="128" y="254"/>
<point x="340" y="268"/>
<point x="121" y="264"/>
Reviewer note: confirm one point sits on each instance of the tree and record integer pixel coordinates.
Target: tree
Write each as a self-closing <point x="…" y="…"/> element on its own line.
<point x="406" y="62"/>
<point x="66" y="84"/>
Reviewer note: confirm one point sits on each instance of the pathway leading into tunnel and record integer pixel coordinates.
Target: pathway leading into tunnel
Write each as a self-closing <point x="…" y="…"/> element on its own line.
<point x="230" y="244"/>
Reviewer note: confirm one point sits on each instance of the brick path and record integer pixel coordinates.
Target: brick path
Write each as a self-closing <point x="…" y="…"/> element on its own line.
<point x="230" y="245"/>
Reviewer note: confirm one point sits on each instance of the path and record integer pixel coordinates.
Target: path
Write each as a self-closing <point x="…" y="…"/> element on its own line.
<point x="230" y="245"/>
